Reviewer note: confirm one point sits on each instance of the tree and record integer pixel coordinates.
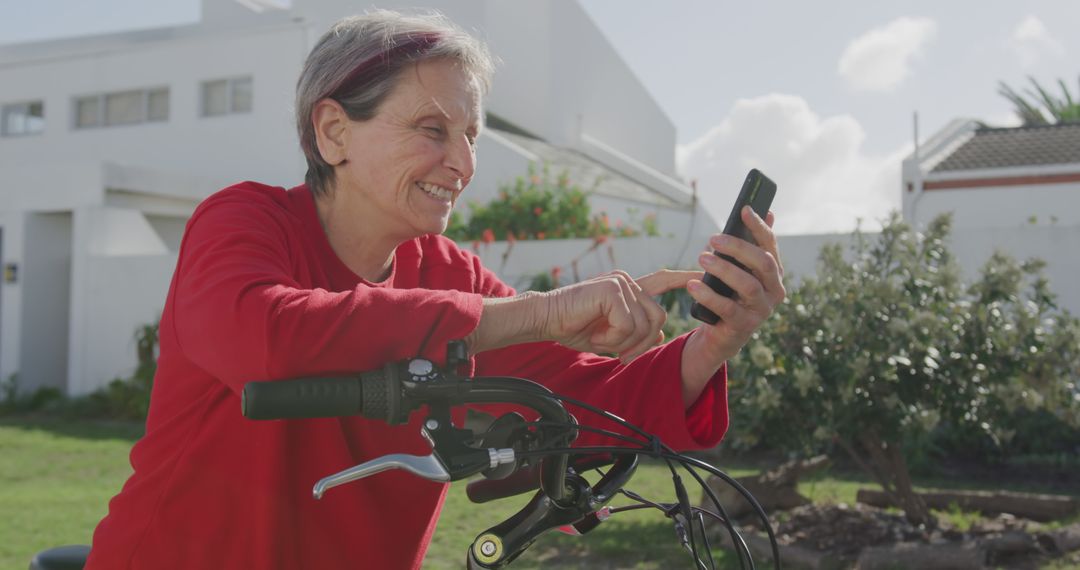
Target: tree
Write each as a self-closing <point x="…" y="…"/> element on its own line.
<point x="1060" y="110"/>
<point x="886" y="344"/>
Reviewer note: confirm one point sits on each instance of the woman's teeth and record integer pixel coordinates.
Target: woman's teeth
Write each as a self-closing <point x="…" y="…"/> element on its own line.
<point x="436" y="191"/>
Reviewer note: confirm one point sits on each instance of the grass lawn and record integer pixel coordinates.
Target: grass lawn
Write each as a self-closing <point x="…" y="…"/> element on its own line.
<point x="56" y="478"/>
<point x="57" y="475"/>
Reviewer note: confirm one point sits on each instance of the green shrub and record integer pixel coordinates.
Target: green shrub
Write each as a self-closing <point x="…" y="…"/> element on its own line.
<point x="129" y="398"/>
<point x="538" y="206"/>
<point x="123" y="398"/>
<point x="886" y="346"/>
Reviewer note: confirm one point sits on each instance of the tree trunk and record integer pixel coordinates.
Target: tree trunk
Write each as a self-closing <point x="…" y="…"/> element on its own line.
<point x="887" y="466"/>
<point x="1025" y="505"/>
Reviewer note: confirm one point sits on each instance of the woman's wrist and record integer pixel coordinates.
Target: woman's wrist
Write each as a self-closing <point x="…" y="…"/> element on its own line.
<point x="510" y="320"/>
<point x="698" y="366"/>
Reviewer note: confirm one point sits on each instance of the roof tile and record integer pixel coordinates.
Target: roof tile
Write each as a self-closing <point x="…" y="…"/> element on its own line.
<point x="1019" y="146"/>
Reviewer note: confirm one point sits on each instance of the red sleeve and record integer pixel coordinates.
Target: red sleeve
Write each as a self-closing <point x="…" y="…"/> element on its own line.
<point x="241" y="312"/>
<point x="646" y="392"/>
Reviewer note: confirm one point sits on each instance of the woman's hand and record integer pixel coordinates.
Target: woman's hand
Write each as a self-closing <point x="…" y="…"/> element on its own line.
<point x="608" y="314"/>
<point x="612" y="313"/>
<point x="757" y="291"/>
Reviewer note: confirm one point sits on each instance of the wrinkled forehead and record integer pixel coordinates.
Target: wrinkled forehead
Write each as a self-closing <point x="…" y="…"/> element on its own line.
<point x="444" y="87"/>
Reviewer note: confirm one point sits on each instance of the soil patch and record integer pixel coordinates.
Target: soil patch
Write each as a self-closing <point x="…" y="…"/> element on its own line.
<point x="866" y="537"/>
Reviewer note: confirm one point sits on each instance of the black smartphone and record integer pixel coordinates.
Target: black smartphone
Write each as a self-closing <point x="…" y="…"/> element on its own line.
<point x="757" y="192"/>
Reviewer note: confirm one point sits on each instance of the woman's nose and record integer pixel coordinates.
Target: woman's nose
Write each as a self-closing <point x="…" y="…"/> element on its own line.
<point x="461" y="159"/>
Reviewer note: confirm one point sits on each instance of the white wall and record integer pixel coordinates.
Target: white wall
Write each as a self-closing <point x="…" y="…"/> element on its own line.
<point x="46" y="289"/>
<point x="1008" y="207"/>
<point x="122" y="269"/>
<point x="12" y="226"/>
<point x="498" y="161"/>
<point x="561" y="78"/>
<point x="127" y="291"/>
<point x="592" y="82"/>
<point x="35" y="183"/>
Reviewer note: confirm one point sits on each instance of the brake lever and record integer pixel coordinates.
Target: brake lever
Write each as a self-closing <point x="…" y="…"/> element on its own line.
<point x="451" y="459"/>
<point x="426" y="466"/>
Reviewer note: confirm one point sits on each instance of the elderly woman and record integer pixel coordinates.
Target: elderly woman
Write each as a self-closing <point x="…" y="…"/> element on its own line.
<point x="348" y="272"/>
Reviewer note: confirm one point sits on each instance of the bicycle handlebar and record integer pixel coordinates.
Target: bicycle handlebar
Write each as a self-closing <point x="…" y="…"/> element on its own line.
<point x="565" y="499"/>
<point x="392" y="393"/>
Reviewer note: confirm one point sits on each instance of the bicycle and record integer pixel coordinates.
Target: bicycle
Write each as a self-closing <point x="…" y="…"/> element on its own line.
<point x="514" y="455"/>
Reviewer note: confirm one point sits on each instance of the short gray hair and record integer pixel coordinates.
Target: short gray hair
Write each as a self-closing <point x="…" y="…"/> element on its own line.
<point x="358" y="63"/>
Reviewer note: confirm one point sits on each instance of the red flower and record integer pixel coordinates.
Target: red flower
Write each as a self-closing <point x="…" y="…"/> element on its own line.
<point x="538" y="210"/>
<point x="540" y="235"/>
<point x="488" y="236"/>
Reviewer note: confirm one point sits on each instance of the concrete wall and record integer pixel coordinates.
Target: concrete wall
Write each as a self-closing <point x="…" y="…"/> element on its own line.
<point x="11" y="251"/>
<point x="46" y="291"/>
<point x="1009" y="207"/>
<point x="561" y="79"/>
<point x="122" y="267"/>
<point x="128" y="291"/>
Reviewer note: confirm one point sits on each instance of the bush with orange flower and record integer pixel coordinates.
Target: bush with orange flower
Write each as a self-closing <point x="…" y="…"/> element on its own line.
<point x="540" y="206"/>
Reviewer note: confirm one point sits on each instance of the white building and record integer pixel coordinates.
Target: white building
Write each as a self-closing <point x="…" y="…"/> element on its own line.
<point x="1016" y="190"/>
<point x="109" y="142"/>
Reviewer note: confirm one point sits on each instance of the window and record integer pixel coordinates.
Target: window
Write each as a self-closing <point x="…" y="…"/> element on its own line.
<point x="87" y="112"/>
<point x="122" y="108"/>
<point x="22" y="118"/>
<point x="157" y="105"/>
<point x="225" y="96"/>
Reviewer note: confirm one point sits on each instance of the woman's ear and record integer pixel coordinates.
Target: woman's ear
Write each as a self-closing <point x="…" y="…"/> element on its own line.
<point x="331" y="129"/>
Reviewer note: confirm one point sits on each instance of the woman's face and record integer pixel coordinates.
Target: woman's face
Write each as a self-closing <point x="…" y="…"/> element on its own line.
<point x="408" y="163"/>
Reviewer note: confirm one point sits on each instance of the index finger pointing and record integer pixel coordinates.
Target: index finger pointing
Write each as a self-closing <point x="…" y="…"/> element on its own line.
<point x="665" y="280"/>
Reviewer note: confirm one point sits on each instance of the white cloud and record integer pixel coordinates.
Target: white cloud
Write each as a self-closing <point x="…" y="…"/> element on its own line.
<point x="827" y="182"/>
<point x="1010" y="119"/>
<point x="1031" y="42"/>
<point x="881" y="58"/>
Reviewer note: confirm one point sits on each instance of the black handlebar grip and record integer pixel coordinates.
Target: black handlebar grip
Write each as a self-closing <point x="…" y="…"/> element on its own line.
<point x="303" y="398"/>
<point x="521" y="481"/>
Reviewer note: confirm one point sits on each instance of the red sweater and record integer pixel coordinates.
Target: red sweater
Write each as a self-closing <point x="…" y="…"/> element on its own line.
<point x="259" y="294"/>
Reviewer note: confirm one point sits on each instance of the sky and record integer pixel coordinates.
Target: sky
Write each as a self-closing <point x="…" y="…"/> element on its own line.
<point x="821" y="96"/>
